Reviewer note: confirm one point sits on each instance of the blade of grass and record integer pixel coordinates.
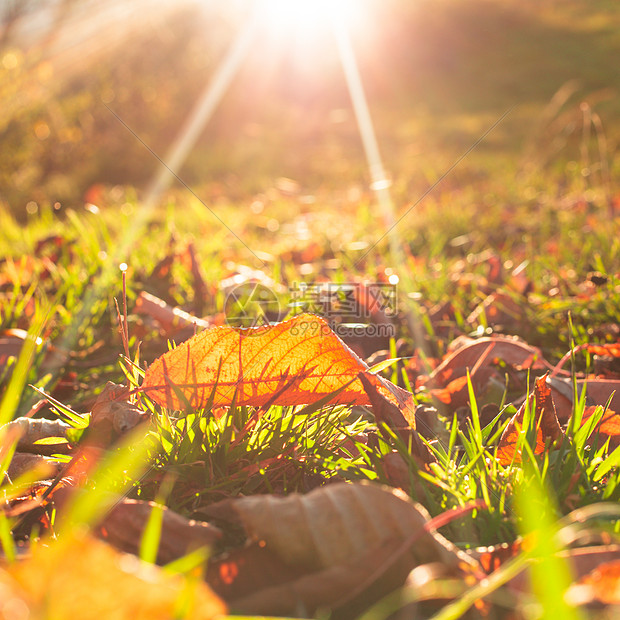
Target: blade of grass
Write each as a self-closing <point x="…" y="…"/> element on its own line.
<point x="13" y="393"/>
<point x="149" y="544"/>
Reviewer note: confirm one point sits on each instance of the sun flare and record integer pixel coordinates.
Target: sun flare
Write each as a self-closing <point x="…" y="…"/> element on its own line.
<point x="307" y="17"/>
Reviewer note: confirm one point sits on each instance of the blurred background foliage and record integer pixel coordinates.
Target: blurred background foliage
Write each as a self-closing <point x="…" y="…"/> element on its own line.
<point x="437" y="74"/>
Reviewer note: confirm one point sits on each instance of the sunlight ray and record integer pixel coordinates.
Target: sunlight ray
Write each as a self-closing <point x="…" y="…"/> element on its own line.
<point x="167" y="169"/>
<point x="380" y="183"/>
<point x="203" y="110"/>
<point x="187" y="136"/>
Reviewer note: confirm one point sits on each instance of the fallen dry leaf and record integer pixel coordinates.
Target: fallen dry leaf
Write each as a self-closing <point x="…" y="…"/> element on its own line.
<point x="332" y="541"/>
<point x="583" y="562"/>
<point x="512" y="351"/>
<point x="31" y="430"/>
<point x="607" y="428"/>
<point x="331" y="586"/>
<point x="11" y="342"/>
<point x="84" y="578"/>
<point x="493" y="557"/>
<point x="295" y="362"/>
<point x="612" y="350"/>
<point x="601" y="390"/>
<point x="455" y="394"/>
<point x="113" y="415"/>
<point x="547" y="425"/>
<point x="498" y="308"/>
<point x="23" y="462"/>
<point x="602" y="585"/>
<point x="598" y="393"/>
<point x="124" y="526"/>
<point x="168" y="317"/>
<point x="447" y="384"/>
<point x="391" y="415"/>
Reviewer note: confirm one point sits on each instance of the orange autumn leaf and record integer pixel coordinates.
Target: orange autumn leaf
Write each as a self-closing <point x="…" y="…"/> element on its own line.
<point x="295" y="362"/>
<point x="82" y="577"/>
<point x="601" y="585"/>
<point x="511" y="351"/>
<point x="612" y="350"/>
<point x="456" y="392"/>
<point x="545" y="419"/>
<point x="608" y="427"/>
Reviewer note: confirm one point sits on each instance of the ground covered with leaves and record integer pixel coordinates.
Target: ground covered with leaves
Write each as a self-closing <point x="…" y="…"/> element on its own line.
<point x="251" y="399"/>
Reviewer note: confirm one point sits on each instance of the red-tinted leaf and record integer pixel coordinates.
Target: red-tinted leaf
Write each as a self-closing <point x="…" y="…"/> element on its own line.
<point x="387" y="412"/>
<point x="604" y="349"/>
<point x="124" y="527"/>
<point x="547" y="425"/>
<point x="602" y="585"/>
<point x="509" y="350"/>
<point x="608" y="427"/>
<point x="456" y="392"/>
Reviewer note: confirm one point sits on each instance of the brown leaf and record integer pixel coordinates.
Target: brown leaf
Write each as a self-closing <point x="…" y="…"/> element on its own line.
<point x="601" y="390"/>
<point x="546" y="422"/>
<point x="598" y="392"/>
<point x="31" y="430"/>
<point x="513" y="352"/>
<point x="168" y="317"/>
<point x="23" y="462"/>
<point x="602" y="585"/>
<point x="294" y="362"/>
<point x="492" y="558"/>
<point x="250" y="568"/>
<point x="112" y="414"/>
<point x="455" y="394"/>
<point x="583" y="562"/>
<point x="330" y="586"/>
<point x="124" y="525"/>
<point x="11" y="342"/>
<point x="612" y="350"/>
<point x="390" y="414"/>
<point x="498" y="308"/>
<point x="336" y="535"/>
<point x="608" y="427"/>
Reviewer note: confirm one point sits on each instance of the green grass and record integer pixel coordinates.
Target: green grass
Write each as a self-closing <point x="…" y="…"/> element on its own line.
<point x="540" y="191"/>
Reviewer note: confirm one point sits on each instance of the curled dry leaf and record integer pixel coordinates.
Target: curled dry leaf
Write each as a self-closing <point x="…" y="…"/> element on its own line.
<point x="498" y="308"/>
<point x="583" y="562"/>
<point x="545" y="420"/>
<point x="168" y="317"/>
<point x="85" y="578"/>
<point x="492" y="558"/>
<point x="387" y="412"/>
<point x="607" y="428"/>
<point x="11" y="342"/>
<point x="601" y="390"/>
<point x="23" y="462"/>
<point x="294" y="362"/>
<point x="598" y="394"/>
<point x="447" y="383"/>
<point x="456" y="391"/>
<point x="335" y="586"/>
<point x="124" y="525"/>
<point x="602" y="585"/>
<point x="335" y="536"/>
<point x="31" y="430"/>
<point x="612" y="350"/>
<point x="113" y="415"/>
<point x="512" y="351"/>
